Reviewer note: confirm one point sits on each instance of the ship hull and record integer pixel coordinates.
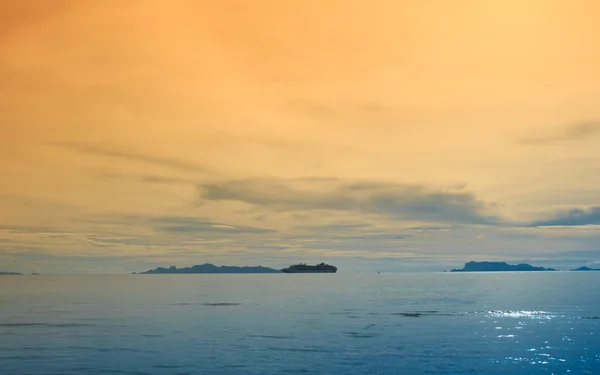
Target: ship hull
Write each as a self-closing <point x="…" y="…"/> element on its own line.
<point x="307" y="271"/>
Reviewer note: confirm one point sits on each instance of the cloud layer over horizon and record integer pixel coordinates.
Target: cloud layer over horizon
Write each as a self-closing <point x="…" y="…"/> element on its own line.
<point x="406" y="135"/>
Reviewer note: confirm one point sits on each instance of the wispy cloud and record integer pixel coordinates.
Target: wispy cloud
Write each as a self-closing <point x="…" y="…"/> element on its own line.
<point x="313" y="109"/>
<point x="164" y="161"/>
<point x="157" y="179"/>
<point x="30" y="229"/>
<point x="578" y="131"/>
<point x="398" y="201"/>
<point x="325" y="110"/>
<point x="177" y="224"/>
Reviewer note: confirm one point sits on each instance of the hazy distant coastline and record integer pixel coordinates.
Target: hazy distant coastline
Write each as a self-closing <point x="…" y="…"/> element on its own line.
<point x="208" y="268"/>
<point x="498" y="267"/>
<point x="585" y="268"/>
<point x="211" y="268"/>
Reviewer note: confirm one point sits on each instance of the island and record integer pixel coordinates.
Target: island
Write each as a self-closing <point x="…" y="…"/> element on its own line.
<point x="584" y="268"/>
<point x="10" y="273"/>
<point x="210" y="268"/>
<point x="498" y="267"/>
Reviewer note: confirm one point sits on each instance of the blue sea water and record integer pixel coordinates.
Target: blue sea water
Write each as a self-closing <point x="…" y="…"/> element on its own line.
<point x="436" y="323"/>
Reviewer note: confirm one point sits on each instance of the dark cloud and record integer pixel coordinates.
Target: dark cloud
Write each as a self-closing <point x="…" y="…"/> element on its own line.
<point x="573" y="132"/>
<point x="572" y="217"/>
<point x="398" y="201"/>
<point x="135" y="156"/>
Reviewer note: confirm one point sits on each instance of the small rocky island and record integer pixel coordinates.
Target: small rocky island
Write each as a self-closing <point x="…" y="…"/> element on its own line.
<point x="9" y="273"/>
<point x="210" y="268"/>
<point x="498" y="267"/>
<point x="584" y="268"/>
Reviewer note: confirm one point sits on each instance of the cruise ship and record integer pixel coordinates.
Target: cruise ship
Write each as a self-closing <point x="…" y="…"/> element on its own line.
<point x="304" y="268"/>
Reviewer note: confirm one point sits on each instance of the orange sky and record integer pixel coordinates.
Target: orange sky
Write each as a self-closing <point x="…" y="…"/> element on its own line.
<point x="220" y="111"/>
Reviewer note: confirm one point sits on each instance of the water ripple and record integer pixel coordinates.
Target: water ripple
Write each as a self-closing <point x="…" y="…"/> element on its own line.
<point x="271" y="337"/>
<point x="359" y="335"/>
<point x="54" y="325"/>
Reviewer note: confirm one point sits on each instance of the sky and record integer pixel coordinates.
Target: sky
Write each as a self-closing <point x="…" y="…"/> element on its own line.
<point x="392" y="135"/>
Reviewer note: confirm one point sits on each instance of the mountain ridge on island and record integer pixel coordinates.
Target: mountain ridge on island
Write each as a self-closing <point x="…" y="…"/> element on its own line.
<point x="9" y="273"/>
<point x="585" y="268"/>
<point x="211" y="268"/>
<point x="498" y="267"/>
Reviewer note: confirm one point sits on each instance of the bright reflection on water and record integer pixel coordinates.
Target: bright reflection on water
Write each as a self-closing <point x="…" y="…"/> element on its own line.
<point x="523" y="314"/>
<point x="541" y="355"/>
<point x="503" y="323"/>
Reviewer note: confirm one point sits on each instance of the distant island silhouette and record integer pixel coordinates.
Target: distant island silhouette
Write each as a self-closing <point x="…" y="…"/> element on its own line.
<point x="584" y="268"/>
<point x="210" y="268"/>
<point x="498" y="267"/>
<point x="10" y="273"/>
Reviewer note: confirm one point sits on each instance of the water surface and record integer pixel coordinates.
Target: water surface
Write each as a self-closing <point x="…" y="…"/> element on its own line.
<point x="438" y="323"/>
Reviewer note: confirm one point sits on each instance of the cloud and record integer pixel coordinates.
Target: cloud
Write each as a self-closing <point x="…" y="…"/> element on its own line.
<point x="156" y="179"/>
<point x="176" y="224"/>
<point x="314" y="109"/>
<point x="397" y="201"/>
<point x="338" y="227"/>
<point x="572" y="217"/>
<point x="335" y="110"/>
<point x="135" y="156"/>
<point x="18" y="16"/>
<point x="578" y="131"/>
<point x="30" y="229"/>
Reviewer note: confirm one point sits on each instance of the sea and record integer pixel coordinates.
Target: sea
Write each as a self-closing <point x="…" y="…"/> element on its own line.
<point x="343" y="323"/>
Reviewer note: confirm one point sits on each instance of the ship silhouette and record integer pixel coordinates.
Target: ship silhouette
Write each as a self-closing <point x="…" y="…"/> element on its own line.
<point x="304" y="268"/>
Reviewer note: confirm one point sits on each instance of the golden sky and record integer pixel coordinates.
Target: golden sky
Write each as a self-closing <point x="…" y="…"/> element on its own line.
<point x="144" y="133"/>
